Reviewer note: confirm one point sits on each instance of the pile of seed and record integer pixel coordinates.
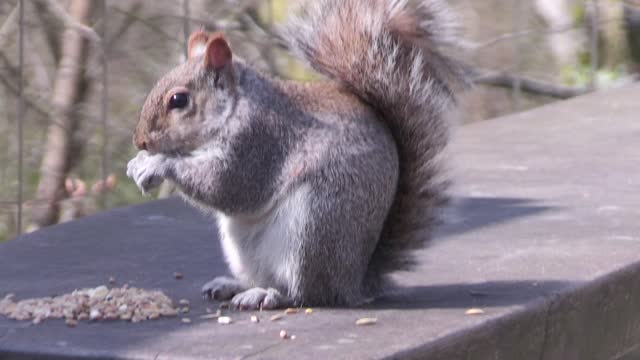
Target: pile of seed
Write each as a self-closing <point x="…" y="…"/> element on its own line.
<point x="100" y="303"/>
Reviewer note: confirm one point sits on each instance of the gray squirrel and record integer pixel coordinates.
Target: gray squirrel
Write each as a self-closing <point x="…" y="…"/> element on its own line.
<point x="320" y="190"/>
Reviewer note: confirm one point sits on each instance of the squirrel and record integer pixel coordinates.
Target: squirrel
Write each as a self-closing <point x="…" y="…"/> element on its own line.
<point x="320" y="189"/>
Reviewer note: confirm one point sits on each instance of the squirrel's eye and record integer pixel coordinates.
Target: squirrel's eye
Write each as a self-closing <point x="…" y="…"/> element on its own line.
<point x="178" y="101"/>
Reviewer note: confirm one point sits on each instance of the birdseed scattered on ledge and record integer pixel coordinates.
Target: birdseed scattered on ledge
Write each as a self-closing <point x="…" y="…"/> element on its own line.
<point x="100" y="303"/>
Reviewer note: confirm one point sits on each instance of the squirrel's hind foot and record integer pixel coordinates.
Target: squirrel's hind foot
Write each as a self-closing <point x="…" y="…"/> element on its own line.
<point x="260" y="298"/>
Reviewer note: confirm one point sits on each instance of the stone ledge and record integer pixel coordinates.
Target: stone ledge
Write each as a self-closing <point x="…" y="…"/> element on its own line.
<point x="543" y="235"/>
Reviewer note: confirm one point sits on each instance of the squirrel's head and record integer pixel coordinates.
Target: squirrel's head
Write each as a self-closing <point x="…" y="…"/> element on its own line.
<point x="191" y="101"/>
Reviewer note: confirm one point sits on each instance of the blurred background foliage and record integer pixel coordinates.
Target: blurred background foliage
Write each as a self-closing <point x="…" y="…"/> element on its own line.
<point x="87" y="66"/>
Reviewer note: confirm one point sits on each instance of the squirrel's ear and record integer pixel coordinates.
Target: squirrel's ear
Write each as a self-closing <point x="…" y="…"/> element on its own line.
<point x="197" y="43"/>
<point x="217" y="54"/>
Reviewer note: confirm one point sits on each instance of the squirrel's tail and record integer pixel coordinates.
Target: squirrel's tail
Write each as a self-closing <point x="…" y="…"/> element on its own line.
<point x="389" y="53"/>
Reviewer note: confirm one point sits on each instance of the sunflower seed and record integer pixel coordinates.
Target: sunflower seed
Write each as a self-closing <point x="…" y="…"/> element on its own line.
<point x="276" y="317"/>
<point x="474" y="311"/>
<point x="366" y="321"/>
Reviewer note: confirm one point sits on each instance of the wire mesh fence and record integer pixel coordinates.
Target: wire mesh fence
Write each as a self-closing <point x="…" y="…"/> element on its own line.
<point x="74" y="73"/>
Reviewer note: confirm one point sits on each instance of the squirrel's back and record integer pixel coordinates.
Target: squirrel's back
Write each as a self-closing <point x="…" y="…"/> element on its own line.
<point x="388" y="53"/>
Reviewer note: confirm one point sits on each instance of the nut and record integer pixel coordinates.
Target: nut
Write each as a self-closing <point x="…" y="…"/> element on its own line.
<point x="99" y="292"/>
<point x="95" y="314"/>
<point x="366" y="321"/>
<point x="276" y="317"/>
<point x="474" y="311"/>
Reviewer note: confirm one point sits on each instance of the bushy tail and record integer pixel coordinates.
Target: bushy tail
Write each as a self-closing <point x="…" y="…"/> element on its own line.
<point x="388" y="52"/>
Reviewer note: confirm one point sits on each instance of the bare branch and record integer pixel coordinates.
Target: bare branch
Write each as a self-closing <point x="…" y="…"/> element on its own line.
<point x="126" y="23"/>
<point x="506" y="80"/>
<point x="14" y="90"/>
<point x="55" y="9"/>
<point x="49" y="29"/>
<point x="273" y="38"/>
<point x="7" y="27"/>
<point x="472" y="45"/>
<point x="41" y="110"/>
<point x="150" y="25"/>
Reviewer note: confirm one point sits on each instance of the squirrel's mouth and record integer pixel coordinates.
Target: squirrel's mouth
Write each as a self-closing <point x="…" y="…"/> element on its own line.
<point x="174" y="148"/>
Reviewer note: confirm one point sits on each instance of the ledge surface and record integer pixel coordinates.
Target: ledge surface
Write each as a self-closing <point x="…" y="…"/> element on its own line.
<point x="544" y="235"/>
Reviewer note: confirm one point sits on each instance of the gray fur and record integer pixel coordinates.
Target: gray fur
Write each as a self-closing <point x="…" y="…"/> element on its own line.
<point x="391" y="57"/>
<point x="319" y="189"/>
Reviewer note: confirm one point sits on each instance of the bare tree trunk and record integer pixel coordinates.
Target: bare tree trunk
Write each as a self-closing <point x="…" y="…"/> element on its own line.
<point x="632" y="22"/>
<point x="67" y="91"/>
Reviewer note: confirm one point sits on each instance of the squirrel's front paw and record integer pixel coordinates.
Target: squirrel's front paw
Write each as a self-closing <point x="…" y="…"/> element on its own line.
<point x="146" y="170"/>
<point x="222" y="288"/>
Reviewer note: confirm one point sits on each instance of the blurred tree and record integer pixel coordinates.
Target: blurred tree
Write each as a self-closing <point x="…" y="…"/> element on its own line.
<point x="546" y="56"/>
<point x="632" y="22"/>
<point x="69" y="89"/>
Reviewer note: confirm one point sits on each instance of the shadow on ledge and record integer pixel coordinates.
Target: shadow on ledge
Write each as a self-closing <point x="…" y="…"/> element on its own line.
<point x="472" y="213"/>
<point x="462" y="296"/>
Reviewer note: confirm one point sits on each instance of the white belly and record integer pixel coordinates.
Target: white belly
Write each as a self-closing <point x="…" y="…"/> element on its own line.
<point x="262" y="250"/>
